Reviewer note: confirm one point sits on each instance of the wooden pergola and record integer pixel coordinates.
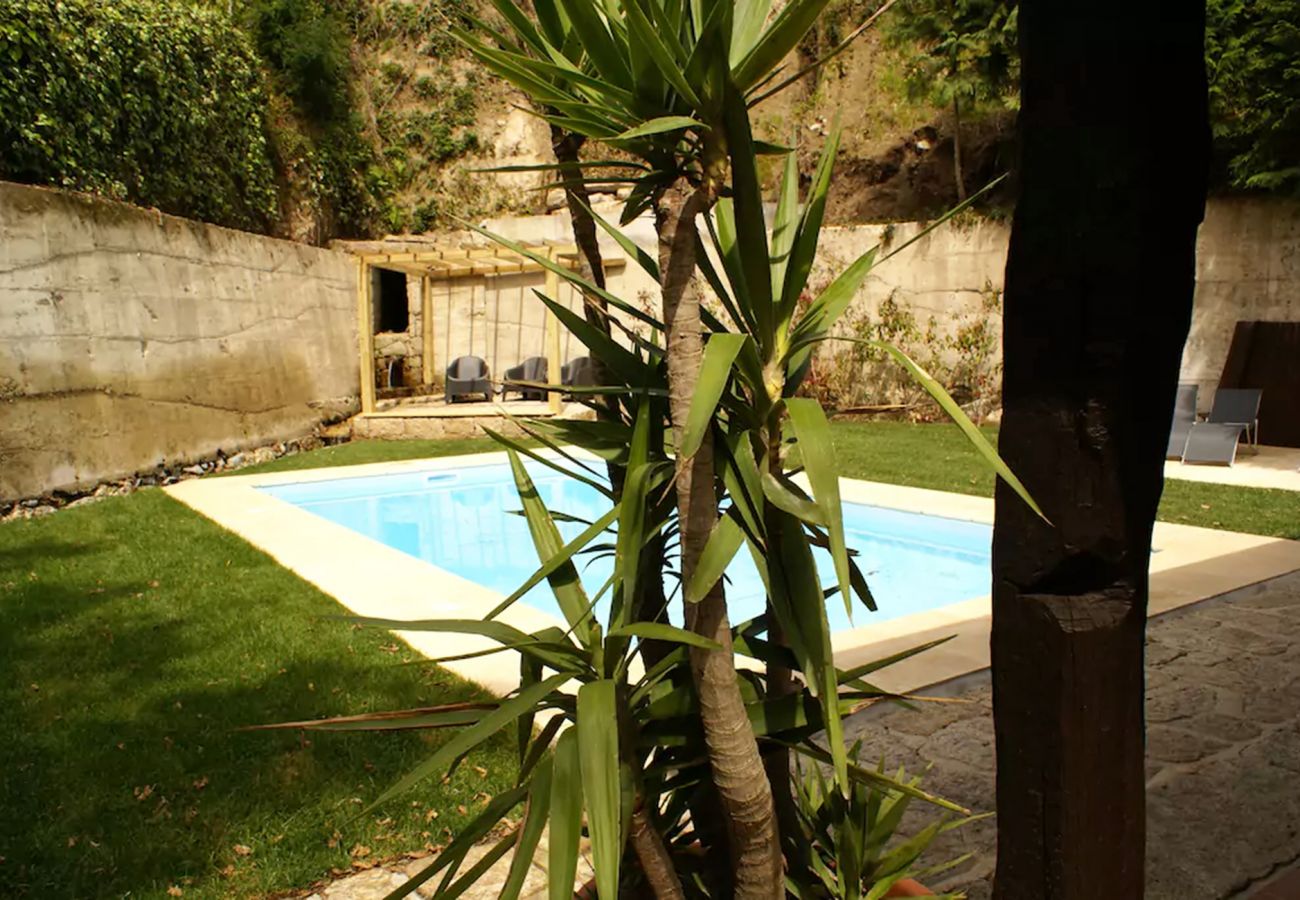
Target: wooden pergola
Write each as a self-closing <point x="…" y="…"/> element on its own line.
<point x="441" y="264"/>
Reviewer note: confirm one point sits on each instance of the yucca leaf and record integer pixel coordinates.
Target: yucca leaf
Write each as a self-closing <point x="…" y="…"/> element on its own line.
<point x="715" y="371"/>
<point x="853" y="674"/>
<point x="785" y="32"/>
<point x="630" y="247"/>
<point x="659" y="631"/>
<point x="476" y="871"/>
<point x="566" y="818"/>
<point x="598" y="42"/>
<point x="530" y="833"/>
<point x="599" y="758"/>
<point x="725" y="539"/>
<point x="968" y="428"/>
<point x="808" y="233"/>
<point x="817" y="450"/>
<point x="568" y="275"/>
<point x="566" y="553"/>
<point x="784" y="225"/>
<point x="663" y="55"/>
<point x="569" y="594"/>
<point x="749" y="224"/>
<point x="561" y="656"/>
<point x="783" y="497"/>
<point x="616" y="358"/>
<point x="444" y="716"/>
<point x="661" y="125"/>
<point x="467" y="837"/>
<point x="750" y="17"/>
<point x="509" y="710"/>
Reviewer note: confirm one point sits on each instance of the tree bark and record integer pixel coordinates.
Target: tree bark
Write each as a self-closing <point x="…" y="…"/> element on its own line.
<point x="1100" y="274"/>
<point x="743" y="790"/>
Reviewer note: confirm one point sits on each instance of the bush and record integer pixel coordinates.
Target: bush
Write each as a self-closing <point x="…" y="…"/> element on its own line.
<point x="157" y="102"/>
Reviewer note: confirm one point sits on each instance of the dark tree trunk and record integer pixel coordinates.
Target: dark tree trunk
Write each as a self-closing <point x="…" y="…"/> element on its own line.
<point x="957" y="174"/>
<point x="1114" y="147"/>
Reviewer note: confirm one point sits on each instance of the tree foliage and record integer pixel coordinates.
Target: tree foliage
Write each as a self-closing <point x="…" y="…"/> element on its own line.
<point x="961" y="50"/>
<point x="1253" y="55"/>
<point x="158" y="103"/>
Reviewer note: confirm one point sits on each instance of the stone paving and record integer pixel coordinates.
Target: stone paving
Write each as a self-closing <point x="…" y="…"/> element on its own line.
<point x="1223" y="758"/>
<point x="1223" y="749"/>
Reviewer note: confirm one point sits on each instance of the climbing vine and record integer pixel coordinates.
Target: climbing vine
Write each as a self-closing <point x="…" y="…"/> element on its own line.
<point x="157" y="103"/>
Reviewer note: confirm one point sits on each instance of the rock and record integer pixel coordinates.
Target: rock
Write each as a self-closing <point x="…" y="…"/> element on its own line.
<point x="193" y="470"/>
<point x="263" y="455"/>
<point x="93" y="498"/>
<point x="235" y="461"/>
<point x="32" y="503"/>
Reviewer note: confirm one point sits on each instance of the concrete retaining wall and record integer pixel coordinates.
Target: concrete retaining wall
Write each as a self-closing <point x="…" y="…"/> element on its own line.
<point x="130" y="338"/>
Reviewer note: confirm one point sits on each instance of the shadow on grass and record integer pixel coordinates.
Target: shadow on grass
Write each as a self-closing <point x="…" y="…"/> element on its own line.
<point x="135" y="637"/>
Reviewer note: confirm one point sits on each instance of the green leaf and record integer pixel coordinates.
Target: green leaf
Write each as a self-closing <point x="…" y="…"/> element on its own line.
<point x="566" y="586"/>
<point x="535" y="815"/>
<point x="659" y="631"/>
<point x="600" y="45"/>
<point x="509" y="710"/>
<point x="804" y="248"/>
<point x="660" y="125"/>
<point x="777" y="41"/>
<point x="669" y="64"/>
<point x="785" y="224"/>
<point x="598" y="754"/>
<point x="566" y="818"/>
<point x="853" y="674"/>
<point x="751" y="228"/>
<point x="467" y="837"/>
<point x="784" y="498"/>
<point x="630" y="247"/>
<point x="715" y="372"/>
<point x="725" y="539"/>
<point x="959" y="417"/>
<point x="816" y="447"/>
<point x="548" y="567"/>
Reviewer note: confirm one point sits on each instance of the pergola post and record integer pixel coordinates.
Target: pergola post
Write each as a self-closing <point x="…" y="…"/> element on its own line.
<point x="365" y="337"/>
<point x="553" y="337"/>
<point x="426" y="326"/>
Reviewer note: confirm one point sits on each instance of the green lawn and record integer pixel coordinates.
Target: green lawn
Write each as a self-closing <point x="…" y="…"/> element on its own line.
<point x="939" y="457"/>
<point x="135" y="637"/>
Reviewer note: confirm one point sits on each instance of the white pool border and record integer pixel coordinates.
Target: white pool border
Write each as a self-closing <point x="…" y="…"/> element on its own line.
<point x="372" y="579"/>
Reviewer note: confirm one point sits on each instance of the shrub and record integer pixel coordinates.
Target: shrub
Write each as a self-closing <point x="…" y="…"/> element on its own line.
<point x="156" y="102"/>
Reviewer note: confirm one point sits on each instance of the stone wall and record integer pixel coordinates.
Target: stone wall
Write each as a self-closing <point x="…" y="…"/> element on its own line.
<point x="129" y="339"/>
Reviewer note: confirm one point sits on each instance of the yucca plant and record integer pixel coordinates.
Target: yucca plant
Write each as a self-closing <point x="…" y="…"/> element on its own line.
<point x="674" y="754"/>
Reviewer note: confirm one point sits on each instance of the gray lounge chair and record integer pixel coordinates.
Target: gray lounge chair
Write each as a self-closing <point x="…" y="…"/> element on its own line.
<point x="466" y="377"/>
<point x="1238" y="406"/>
<point x="533" y="369"/>
<point x="1184" y="419"/>
<point x="1213" y="443"/>
<point x="578" y="372"/>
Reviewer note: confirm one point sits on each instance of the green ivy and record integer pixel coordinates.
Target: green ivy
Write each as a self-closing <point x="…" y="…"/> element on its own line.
<point x="157" y="102"/>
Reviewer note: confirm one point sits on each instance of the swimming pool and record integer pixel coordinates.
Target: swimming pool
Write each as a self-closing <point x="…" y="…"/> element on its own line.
<point x="463" y="521"/>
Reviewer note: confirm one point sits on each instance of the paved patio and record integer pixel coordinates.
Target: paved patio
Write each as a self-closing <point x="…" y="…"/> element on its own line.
<point x="1260" y="467"/>
<point x="1223" y="749"/>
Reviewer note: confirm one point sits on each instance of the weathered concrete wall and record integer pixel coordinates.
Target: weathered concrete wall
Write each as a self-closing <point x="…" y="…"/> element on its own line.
<point x="129" y="338"/>
<point x="1247" y="269"/>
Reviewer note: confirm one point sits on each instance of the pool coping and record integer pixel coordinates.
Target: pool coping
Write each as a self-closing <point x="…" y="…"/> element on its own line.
<point x="371" y="579"/>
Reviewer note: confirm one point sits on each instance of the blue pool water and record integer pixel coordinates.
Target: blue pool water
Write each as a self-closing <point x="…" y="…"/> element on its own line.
<point x="462" y="521"/>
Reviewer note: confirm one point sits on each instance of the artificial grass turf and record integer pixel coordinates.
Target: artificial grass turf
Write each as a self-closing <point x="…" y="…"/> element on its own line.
<point x="938" y="456"/>
<point x="135" y="637"/>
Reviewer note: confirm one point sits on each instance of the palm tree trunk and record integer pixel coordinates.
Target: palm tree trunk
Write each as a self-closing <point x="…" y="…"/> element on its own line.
<point x="738" y="774"/>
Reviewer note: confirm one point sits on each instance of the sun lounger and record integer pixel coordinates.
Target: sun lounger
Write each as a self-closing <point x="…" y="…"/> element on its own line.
<point x="533" y="369"/>
<point x="1184" y="419"/>
<point x="466" y="377"/>
<point x="1238" y="406"/>
<point x="1213" y="443"/>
